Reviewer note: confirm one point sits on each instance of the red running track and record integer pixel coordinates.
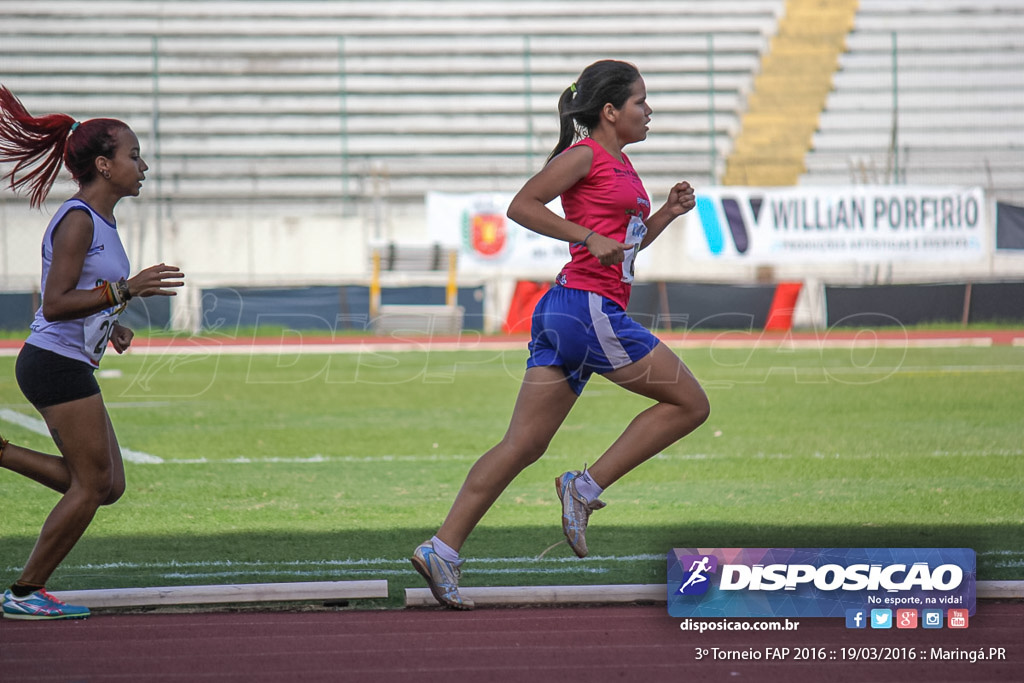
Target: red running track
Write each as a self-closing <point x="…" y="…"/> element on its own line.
<point x="591" y="645"/>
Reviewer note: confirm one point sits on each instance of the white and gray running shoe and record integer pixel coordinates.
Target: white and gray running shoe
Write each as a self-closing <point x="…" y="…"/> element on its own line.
<point x="442" y="576"/>
<point x="575" y="511"/>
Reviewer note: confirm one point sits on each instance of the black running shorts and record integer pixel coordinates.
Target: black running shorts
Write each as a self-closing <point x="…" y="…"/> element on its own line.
<point x="48" y="379"/>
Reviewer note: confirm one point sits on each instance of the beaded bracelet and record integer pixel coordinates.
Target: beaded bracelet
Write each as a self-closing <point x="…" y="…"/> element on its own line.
<point x="117" y="293"/>
<point x="108" y="292"/>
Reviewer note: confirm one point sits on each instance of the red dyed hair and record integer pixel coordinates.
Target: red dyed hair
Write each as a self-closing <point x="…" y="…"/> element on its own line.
<point x="39" y="145"/>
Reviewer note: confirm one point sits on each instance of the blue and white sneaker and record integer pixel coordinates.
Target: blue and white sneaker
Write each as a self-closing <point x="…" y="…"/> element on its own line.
<point x="575" y="512"/>
<point x="442" y="576"/>
<point x="40" y="605"/>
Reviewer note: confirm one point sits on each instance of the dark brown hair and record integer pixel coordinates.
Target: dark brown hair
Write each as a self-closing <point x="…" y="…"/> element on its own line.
<point x="579" y="107"/>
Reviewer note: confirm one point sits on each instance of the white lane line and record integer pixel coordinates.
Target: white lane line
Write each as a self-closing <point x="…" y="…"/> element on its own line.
<point x="255" y="565"/>
<point x="37" y="426"/>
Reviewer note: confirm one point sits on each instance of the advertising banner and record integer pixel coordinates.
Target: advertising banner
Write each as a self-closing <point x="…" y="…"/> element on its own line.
<point x="872" y="224"/>
<point x="819" y="582"/>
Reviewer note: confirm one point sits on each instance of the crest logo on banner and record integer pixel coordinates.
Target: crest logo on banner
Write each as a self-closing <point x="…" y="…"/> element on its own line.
<point x="818" y="582"/>
<point x="485" y="232"/>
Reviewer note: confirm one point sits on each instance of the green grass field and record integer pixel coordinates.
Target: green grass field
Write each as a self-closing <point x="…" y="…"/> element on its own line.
<point x="271" y="468"/>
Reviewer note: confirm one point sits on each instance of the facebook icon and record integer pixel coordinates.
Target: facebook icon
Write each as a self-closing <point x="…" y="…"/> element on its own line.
<point x="856" y="618"/>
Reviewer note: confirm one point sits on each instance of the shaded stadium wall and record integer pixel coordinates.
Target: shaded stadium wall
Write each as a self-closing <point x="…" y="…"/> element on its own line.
<point x="670" y="306"/>
<point x="17" y="309"/>
<point x="227" y="310"/>
<point x="895" y="305"/>
<point x="687" y="306"/>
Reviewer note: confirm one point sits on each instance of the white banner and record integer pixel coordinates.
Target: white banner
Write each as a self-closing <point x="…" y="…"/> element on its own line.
<point x="476" y="224"/>
<point x="873" y="224"/>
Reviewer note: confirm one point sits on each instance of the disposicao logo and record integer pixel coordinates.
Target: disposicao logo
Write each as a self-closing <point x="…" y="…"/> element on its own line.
<point x="818" y="582"/>
<point x="696" y="580"/>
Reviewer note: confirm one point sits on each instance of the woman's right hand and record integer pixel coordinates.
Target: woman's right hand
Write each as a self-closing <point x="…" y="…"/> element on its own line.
<point x="156" y="280"/>
<point x="606" y="250"/>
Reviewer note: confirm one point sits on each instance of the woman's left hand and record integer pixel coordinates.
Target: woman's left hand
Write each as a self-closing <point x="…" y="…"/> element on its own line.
<point x="681" y="199"/>
<point x="121" y="338"/>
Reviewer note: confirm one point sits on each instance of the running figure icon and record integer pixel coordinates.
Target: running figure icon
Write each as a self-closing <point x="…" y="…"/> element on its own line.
<point x="696" y="570"/>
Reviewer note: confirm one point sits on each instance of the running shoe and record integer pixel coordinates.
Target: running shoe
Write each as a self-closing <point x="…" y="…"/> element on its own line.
<point x="575" y="511"/>
<point x="40" y="605"/>
<point x="442" y="576"/>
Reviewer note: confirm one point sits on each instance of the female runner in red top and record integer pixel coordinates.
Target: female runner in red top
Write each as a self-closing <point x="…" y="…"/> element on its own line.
<point x="580" y="325"/>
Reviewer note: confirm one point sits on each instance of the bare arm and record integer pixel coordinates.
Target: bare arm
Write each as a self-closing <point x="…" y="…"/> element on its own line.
<point x="62" y="300"/>
<point x="529" y="206"/>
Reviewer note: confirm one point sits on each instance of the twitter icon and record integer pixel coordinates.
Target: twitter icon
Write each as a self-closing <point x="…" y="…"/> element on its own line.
<point x="881" y="618"/>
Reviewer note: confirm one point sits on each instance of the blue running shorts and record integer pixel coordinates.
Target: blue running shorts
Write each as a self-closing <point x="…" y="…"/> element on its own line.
<point x="584" y="333"/>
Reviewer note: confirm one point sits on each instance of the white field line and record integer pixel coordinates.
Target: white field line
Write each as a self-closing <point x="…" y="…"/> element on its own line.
<point x="866" y="342"/>
<point x="37" y="426"/>
<point x="252" y="565"/>
<point x="375" y="563"/>
<point x="426" y="344"/>
<point x="367" y="573"/>
<point x="382" y="562"/>
<point x="318" y="458"/>
<point x="212" y="347"/>
<point x="490" y="566"/>
<point x="894" y="370"/>
<point x="316" y="348"/>
<point x="454" y="457"/>
<point x="226" y="569"/>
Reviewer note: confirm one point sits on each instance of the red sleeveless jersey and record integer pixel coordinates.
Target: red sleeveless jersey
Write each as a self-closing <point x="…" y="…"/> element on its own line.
<point x="612" y="201"/>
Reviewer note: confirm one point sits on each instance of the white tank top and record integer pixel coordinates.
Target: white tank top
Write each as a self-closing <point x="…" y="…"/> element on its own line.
<point x="84" y="339"/>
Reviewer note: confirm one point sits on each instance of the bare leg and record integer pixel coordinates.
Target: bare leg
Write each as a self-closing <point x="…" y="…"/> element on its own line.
<point x="49" y="470"/>
<point x="83" y="433"/>
<point x="681" y="407"/>
<point x="544" y="401"/>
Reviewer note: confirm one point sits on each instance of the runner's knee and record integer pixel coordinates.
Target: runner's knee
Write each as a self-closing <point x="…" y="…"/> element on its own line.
<point x="117" y="489"/>
<point x="98" y="487"/>
<point x="694" y="410"/>
<point x="701" y="408"/>
<point x="526" y="449"/>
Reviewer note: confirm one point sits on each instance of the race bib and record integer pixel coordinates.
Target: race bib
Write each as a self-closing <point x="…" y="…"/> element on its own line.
<point x="635" y="232"/>
<point x="96" y="330"/>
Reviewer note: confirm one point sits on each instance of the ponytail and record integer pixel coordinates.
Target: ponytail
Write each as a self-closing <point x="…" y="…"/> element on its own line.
<point x="39" y="146"/>
<point x="567" y="131"/>
<point x="580" y="105"/>
<point x="35" y="145"/>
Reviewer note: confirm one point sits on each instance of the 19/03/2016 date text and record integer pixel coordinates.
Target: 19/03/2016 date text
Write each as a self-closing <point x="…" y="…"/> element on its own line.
<point x="851" y="654"/>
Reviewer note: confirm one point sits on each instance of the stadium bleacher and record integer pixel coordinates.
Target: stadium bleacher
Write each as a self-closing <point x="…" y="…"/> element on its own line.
<point x="959" y="69"/>
<point x="317" y="100"/>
